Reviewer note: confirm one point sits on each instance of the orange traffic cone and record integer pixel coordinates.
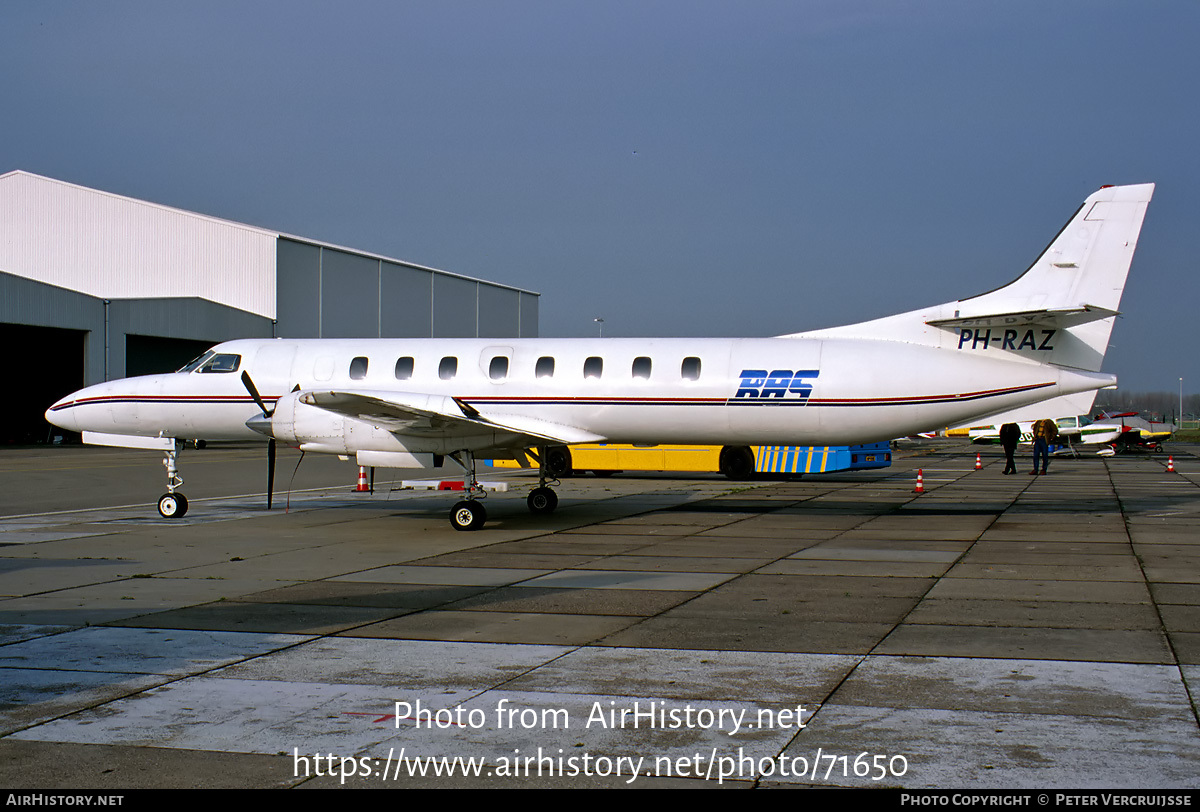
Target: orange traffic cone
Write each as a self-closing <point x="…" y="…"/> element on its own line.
<point x="1171" y="464"/>
<point x="978" y="461"/>
<point x="363" y="487"/>
<point x="920" y="483"/>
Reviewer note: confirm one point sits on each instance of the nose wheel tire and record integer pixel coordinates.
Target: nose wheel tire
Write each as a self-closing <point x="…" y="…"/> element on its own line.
<point x="172" y="505"/>
<point x="468" y="515"/>
<point x="542" y="500"/>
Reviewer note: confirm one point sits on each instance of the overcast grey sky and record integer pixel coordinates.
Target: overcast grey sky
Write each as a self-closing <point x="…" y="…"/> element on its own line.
<point x="677" y="167"/>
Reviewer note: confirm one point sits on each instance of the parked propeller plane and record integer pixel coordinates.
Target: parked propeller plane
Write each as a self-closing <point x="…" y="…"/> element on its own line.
<point x="1079" y="430"/>
<point x="405" y="403"/>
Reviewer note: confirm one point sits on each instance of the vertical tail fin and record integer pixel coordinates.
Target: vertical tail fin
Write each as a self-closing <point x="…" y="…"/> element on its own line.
<point x="1060" y="311"/>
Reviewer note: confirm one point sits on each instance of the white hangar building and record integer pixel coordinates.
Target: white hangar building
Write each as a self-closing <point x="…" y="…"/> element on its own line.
<point x="96" y="286"/>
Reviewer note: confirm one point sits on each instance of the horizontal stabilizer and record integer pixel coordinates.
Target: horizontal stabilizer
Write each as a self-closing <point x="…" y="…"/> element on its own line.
<point x="1060" y="318"/>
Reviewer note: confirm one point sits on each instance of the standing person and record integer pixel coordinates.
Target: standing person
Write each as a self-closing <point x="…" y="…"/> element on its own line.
<point x="1045" y="431"/>
<point x="1010" y="434"/>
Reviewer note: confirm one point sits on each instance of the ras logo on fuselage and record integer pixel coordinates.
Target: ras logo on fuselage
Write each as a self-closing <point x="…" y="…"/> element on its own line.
<point x="762" y="388"/>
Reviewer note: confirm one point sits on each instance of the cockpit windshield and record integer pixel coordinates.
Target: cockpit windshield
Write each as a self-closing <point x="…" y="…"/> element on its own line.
<point x="196" y="362"/>
<point x="214" y="362"/>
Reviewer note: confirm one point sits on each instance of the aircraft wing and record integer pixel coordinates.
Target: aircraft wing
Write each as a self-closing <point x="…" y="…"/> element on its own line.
<point x="439" y="415"/>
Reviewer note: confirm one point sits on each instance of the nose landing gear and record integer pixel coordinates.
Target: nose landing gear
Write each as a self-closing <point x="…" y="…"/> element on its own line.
<point x="172" y="505"/>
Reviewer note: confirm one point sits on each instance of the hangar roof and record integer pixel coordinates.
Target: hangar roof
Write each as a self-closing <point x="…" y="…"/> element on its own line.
<point x="116" y="247"/>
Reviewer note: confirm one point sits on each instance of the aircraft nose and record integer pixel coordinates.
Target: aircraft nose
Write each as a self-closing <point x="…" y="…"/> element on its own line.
<point x="62" y="415"/>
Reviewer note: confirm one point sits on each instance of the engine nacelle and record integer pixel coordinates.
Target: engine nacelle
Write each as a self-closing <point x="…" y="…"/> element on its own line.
<point x="312" y="428"/>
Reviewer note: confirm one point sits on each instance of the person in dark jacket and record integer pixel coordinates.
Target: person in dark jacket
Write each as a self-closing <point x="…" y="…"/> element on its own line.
<point x="1045" y="432"/>
<point x="1010" y="435"/>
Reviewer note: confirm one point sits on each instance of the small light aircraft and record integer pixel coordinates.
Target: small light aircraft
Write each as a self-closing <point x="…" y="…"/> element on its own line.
<point x="407" y="403"/>
<point x="1073" y="432"/>
<point x="1108" y="434"/>
<point x="1139" y="433"/>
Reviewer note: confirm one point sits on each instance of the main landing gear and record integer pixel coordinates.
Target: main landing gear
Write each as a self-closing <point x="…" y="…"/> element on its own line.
<point x="172" y="505"/>
<point x="543" y="499"/>
<point x="470" y="514"/>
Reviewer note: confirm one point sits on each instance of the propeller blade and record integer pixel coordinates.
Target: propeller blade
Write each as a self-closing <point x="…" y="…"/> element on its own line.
<point x="270" y="471"/>
<point x="253" y="390"/>
<point x="288" y="505"/>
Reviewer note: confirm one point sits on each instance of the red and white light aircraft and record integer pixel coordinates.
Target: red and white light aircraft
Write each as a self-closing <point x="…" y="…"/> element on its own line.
<point x="403" y="402"/>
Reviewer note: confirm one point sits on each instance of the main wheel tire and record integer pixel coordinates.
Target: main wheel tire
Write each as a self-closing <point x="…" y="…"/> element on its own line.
<point x="558" y="461"/>
<point x="542" y="500"/>
<point x="172" y="505"/>
<point x="737" y="462"/>
<point x="468" y="515"/>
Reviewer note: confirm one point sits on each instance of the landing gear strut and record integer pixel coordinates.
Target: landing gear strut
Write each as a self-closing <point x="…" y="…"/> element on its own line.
<point x="468" y="514"/>
<point x="172" y="505"/>
<point x="543" y="499"/>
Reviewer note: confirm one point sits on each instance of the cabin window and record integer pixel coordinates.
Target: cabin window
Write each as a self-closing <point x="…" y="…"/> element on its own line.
<point x="544" y="368"/>
<point x="358" y="368"/>
<point x="641" y="367"/>
<point x="448" y="368"/>
<point x="498" y="368"/>
<point x="404" y="368"/>
<point x="593" y="367"/>
<point x="225" y="362"/>
<point x="690" y="369"/>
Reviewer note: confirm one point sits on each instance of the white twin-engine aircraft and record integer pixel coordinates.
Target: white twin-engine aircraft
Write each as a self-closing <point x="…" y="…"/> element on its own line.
<point x="404" y="403"/>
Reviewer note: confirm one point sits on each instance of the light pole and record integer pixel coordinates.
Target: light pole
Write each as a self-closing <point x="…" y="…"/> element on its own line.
<point x="1180" y="403"/>
<point x="601" y="323"/>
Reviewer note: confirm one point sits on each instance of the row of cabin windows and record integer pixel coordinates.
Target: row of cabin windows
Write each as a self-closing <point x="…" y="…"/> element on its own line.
<point x="593" y="367"/>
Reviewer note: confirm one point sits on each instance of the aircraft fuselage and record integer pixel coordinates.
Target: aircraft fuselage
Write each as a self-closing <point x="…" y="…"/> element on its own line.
<point x="784" y="391"/>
